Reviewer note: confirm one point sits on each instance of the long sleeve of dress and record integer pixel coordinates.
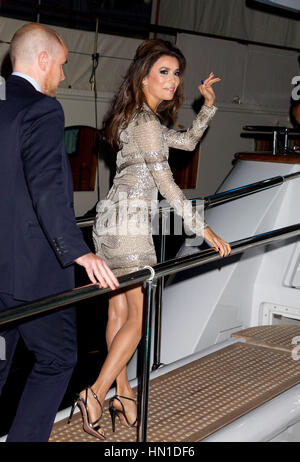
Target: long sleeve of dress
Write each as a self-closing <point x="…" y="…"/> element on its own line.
<point x="149" y="135"/>
<point x="187" y="140"/>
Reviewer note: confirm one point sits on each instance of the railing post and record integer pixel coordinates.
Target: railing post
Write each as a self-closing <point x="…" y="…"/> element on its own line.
<point x="160" y="287"/>
<point x="149" y="300"/>
<point x="275" y="143"/>
<point x="286" y="141"/>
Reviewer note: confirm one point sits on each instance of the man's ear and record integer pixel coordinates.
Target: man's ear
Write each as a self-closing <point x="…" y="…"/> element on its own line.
<point x="43" y="60"/>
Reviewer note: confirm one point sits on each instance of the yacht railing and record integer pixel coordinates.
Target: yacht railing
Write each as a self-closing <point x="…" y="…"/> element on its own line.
<point x="223" y="197"/>
<point x="209" y="202"/>
<point x="149" y="277"/>
<point x="247" y="190"/>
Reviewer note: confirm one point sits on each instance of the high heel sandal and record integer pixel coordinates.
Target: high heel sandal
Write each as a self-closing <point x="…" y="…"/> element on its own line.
<point x="88" y="426"/>
<point x="113" y="411"/>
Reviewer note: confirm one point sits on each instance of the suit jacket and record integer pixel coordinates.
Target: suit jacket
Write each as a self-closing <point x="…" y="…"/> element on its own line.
<point x="39" y="238"/>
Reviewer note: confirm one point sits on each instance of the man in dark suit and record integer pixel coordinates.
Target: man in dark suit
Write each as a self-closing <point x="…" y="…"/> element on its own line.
<point x="39" y="238"/>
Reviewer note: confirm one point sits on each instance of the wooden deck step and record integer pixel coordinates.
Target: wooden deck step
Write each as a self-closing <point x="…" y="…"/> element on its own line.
<point x="192" y="402"/>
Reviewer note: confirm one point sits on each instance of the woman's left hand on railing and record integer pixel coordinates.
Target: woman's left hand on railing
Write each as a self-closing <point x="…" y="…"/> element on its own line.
<point x="217" y="242"/>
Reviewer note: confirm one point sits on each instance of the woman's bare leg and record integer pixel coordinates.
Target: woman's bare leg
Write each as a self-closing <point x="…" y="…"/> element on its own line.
<point x="123" y="343"/>
<point x="117" y="317"/>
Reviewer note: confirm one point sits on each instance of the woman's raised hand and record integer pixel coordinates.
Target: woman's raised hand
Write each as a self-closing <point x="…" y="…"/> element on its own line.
<point x="206" y="89"/>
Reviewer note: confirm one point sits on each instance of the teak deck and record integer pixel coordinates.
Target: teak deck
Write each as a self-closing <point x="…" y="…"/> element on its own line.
<point x="194" y="401"/>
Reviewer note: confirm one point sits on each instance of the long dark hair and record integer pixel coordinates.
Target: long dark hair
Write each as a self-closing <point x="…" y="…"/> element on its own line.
<point x="130" y="97"/>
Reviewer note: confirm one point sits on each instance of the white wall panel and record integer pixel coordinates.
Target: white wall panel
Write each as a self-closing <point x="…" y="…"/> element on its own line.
<point x="268" y="77"/>
<point x="204" y="55"/>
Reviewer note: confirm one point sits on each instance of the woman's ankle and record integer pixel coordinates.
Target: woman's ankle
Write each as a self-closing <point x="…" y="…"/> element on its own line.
<point x="124" y="390"/>
<point x="99" y="393"/>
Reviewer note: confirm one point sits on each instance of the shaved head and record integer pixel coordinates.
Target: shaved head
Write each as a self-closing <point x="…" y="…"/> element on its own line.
<point x="32" y="39"/>
<point x="39" y="52"/>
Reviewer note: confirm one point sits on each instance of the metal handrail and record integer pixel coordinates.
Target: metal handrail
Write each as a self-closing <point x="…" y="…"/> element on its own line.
<point x="209" y="202"/>
<point x="66" y="298"/>
<point x="158" y="271"/>
<point x="247" y="190"/>
<point x="222" y="197"/>
<point x="85" y="222"/>
<point x="163" y="269"/>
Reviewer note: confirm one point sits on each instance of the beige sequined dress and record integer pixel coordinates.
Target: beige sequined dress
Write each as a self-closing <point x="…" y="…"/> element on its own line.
<point x="122" y="231"/>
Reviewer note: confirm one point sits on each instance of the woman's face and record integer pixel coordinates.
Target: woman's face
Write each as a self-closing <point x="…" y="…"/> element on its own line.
<point x="162" y="81"/>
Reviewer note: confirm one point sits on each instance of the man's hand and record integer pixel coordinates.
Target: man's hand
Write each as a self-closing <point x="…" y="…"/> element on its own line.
<point x="98" y="271"/>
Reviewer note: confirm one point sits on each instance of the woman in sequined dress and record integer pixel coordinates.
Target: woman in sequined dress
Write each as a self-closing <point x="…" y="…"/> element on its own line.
<point x="122" y="231"/>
